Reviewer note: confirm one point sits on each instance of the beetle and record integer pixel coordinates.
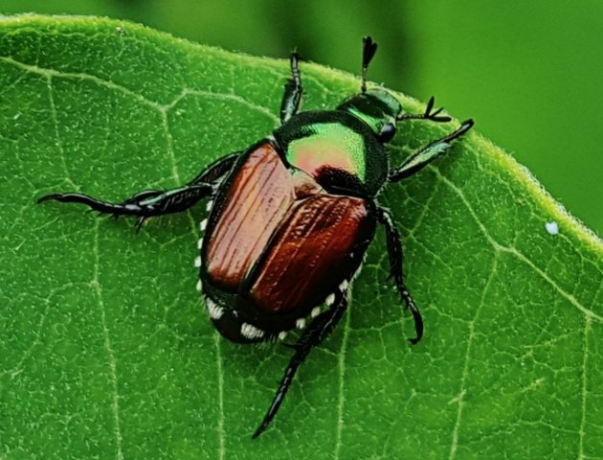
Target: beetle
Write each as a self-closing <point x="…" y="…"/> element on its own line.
<point x="291" y="217"/>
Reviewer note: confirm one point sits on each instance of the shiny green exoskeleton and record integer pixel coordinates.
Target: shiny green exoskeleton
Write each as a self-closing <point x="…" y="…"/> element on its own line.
<point x="292" y="216"/>
<point x="346" y="141"/>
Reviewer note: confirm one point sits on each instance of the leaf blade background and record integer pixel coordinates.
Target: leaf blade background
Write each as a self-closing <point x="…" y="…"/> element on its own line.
<point x="111" y="352"/>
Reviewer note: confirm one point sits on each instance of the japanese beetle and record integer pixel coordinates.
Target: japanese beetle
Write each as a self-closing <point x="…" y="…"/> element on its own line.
<point x="292" y="216"/>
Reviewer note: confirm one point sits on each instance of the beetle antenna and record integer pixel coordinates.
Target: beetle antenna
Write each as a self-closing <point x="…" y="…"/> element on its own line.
<point x="369" y="48"/>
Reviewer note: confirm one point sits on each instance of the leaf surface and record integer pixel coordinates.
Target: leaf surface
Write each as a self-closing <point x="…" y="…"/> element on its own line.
<point x="106" y="348"/>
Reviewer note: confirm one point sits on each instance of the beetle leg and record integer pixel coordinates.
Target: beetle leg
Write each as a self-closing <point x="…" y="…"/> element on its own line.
<point x="427" y="115"/>
<point x="293" y="91"/>
<point x="396" y="256"/>
<point x="318" y="330"/>
<point x="427" y="154"/>
<point x="217" y="170"/>
<point x="145" y="204"/>
<point x="151" y="203"/>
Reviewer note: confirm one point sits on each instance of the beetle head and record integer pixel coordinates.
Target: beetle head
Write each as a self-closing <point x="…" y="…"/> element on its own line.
<point x="378" y="108"/>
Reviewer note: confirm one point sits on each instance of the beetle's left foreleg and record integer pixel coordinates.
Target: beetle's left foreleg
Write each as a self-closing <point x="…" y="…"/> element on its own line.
<point x="318" y="330"/>
<point x="396" y="256"/>
<point x="293" y="91"/>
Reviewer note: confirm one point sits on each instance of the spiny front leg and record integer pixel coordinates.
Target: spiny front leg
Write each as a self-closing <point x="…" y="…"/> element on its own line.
<point x="427" y="154"/>
<point x="427" y="115"/>
<point x="318" y="330"/>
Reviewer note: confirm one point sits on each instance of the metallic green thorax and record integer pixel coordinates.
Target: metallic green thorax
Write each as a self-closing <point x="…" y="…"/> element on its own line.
<point x="340" y="151"/>
<point x="331" y="145"/>
<point x="343" y="149"/>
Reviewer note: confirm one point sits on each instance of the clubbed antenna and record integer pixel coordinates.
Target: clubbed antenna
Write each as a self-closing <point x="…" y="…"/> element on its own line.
<point x="369" y="48"/>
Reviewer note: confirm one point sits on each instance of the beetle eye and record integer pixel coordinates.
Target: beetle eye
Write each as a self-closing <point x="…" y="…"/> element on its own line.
<point x="387" y="132"/>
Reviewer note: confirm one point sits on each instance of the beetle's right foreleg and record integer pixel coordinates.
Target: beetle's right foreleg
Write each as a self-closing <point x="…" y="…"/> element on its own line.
<point x="293" y="91"/>
<point x="427" y="154"/>
<point x="427" y="115"/>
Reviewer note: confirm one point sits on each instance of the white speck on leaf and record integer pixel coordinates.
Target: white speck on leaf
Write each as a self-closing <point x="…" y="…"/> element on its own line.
<point x="552" y="228"/>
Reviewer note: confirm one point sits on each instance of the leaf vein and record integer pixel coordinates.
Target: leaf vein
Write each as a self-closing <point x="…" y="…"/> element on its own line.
<point x="587" y="329"/>
<point x="96" y="285"/>
<point x="462" y="391"/>
<point x="341" y="398"/>
<point x="511" y="250"/>
<point x="176" y="177"/>
<point x="55" y="122"/>
<point x="17" y="369"/>
<point x="161" y="108"/>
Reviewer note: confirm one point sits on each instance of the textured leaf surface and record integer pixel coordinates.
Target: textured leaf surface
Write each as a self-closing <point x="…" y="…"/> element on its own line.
<point x="106" y="351"/>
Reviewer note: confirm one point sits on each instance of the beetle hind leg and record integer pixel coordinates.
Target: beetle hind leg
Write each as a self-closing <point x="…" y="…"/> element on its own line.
<point x="151" y="203"/>
<point x="394" y="250"/>
<point x="319" y="329"/>
<point x="145" y="204"/>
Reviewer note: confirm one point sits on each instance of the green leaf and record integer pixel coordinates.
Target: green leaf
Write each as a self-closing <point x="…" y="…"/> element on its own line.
<point x="107" y="351"/>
